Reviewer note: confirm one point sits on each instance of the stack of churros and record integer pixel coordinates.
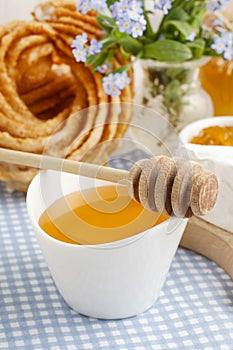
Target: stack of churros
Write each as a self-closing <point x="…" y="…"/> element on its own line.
<point x="49" y="103"/>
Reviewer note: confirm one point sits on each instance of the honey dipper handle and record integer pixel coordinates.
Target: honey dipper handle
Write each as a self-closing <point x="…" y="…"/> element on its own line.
<point x="70" y="166"/>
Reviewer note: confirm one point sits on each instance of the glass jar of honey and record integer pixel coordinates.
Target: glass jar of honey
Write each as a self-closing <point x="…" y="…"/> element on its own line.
<point x="217" y="79"/>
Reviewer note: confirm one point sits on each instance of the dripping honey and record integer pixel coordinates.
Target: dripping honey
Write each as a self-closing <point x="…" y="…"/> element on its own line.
<point x="97" y="215"/>
<point x="215" y="135"/>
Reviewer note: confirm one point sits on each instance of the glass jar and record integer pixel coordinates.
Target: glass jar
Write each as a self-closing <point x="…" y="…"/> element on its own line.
<point x="170" y="96"/>
<point x="217" y="79"/>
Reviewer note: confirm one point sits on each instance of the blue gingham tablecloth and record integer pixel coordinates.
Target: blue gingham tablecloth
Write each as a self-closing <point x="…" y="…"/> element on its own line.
<point x="194" y="310"/>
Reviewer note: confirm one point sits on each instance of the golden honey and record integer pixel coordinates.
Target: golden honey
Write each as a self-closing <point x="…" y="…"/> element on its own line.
<point x="215" y="135"/>
<point x="217" y="80"/>
<point x="97" y="215"/>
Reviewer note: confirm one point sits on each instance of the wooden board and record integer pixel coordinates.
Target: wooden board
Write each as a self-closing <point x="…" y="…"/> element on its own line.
<point x="210" y="241"/>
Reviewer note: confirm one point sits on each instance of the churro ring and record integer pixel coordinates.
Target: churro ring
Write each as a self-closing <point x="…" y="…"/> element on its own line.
<point x="48" y="102"/>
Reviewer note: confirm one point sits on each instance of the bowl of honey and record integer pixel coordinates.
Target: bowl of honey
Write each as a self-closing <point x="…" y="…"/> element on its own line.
<point x="210" y="142"/>
<point x="108" y="256"/>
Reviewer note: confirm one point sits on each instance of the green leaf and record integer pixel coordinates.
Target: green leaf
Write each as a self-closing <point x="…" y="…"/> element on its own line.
<point x="167" y="51"/>
<point x="99" y="58"/>
<point x="108" y="42"/>
<point x="178" y="14"/>
<point x="122" y="69"/>
<point x="102" y="58"/>
<point x="124" y="53"/>
<point x="110" y="2"/>
<point x="196" y="24"/>
<point x="110" y="55"/>
<point x="106" y="22"/>
<point x="131" y="45"/>
<point x="197" y="46"/>
<point x="183" y="27"/>
<point x="91" y="59"/>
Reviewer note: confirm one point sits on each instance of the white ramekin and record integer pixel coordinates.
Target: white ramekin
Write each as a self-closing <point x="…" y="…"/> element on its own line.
<point x="108" y="281"/>
<point x="218" y="159"/>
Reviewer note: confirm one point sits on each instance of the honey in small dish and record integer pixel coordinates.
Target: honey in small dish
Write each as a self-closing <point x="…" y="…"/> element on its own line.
<point x="215" y="135"/>
<point x="96" y="216"/>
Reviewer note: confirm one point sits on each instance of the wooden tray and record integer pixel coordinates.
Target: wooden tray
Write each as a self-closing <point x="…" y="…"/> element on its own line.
<point x="210" y="241"/>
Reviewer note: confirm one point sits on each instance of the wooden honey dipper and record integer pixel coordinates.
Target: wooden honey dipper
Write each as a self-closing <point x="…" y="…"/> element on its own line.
<point x="172" y="186"/>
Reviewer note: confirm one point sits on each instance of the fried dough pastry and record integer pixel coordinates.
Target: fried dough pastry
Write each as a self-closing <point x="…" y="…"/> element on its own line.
<point x="50" y="104"/>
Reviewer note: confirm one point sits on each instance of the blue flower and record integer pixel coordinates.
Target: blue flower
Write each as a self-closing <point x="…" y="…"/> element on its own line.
<point x="86" y="5"/>
<point x="218" y="45"/>
<point x="216" y="5"/>
<point x="136" y="6"/>
<point x="217" y="23"/>
<point x="83" y="6"/>
<point x="122" y="80"/>
<point x="228" y="53"/>
<point x="191" y="36"/>
<point x="129" y="17"/>
<point x="227" y="37"/>
<point x="223" y="44"/>
<point x="116" y="11"/>
<point x="110" y="87"/>
<point x="103" y="68"/>
<point x="79" y="47"/>
<point x="79" y="41"/>
<point x="125" y="25"/>
<point x="81" y="50"/>
<point x="138" y="28"/>
<point x="98" y="5"/>
<point x="80" y="54"/>
<point x="114" y="83"/>
<point x="164" y="5"/>
<point x="133" y="16"/>
<point x="95" y="47"/>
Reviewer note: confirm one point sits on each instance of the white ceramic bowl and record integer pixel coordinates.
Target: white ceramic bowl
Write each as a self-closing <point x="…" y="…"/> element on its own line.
<point x="107" y="281"/>
<point x="218" y="159"/>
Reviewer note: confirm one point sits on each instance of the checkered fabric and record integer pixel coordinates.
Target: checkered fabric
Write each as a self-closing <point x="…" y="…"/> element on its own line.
<point x="194" y="311"/>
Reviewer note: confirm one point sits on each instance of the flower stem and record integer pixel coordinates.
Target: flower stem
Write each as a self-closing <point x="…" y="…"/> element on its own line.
<point x="149" y="29"/>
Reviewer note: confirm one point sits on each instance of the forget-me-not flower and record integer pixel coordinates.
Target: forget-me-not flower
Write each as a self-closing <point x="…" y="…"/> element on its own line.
<point x="191" y="36"/>
<point x="81" y="50"/>
<point x="79" y="47"/>
<point x="129" y="17"/>
<point x="83" y="6"/>
<point x="86" y="5"/>
<point x="79" y="41"/>
<point x="114" y="83"/>
<point x="223" y="44"/>
<point x="122" y="80"/>
<point x="216" y="5"/>
<point x="164" y="5"/>
<point x="103" y="68"/>
<point x="95" y="47"/>
<point x="110" y="87"/>
<point x="125" y="25"/>
<point x="80" y="54"/>
<point x="138" y="28"/>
